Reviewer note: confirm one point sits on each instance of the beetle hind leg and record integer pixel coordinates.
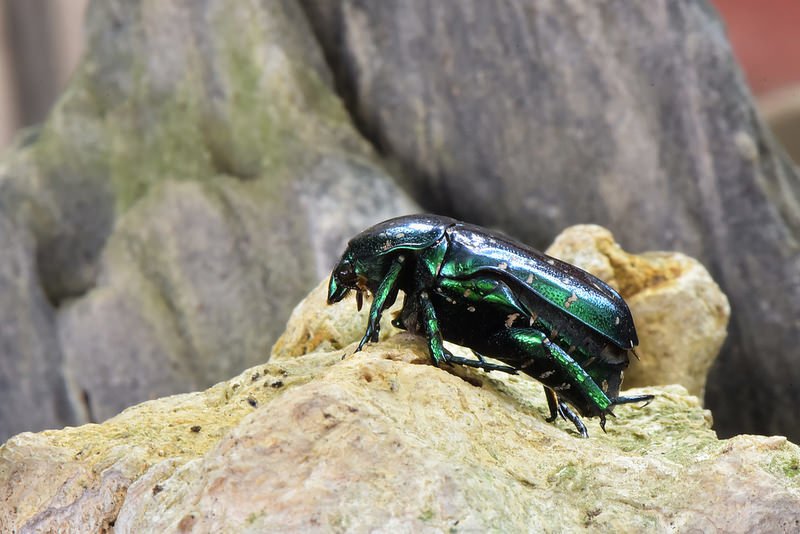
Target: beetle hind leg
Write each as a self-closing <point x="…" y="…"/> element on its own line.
<point x="480" y="363"/>
<point x="646" y="399"/>
<point x="561" y="408"/>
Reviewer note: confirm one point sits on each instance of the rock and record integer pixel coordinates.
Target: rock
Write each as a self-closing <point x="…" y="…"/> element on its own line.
<point x="535" y="115"/>
<point x="680" y="313"/>
<point x="32" y="393"/>
<point x="383" y="440"/>
<point x="194" y="182"/>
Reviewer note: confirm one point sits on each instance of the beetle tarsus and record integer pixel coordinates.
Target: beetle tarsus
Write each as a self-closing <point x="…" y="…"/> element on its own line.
<point x="646" y="399"/>
<point x="567" y="412"/>
<point x="560" y="408"/>
<point x="480" y="363"/>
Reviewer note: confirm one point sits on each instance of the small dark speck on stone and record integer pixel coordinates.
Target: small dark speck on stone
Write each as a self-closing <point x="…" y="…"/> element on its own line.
<point x="158" y="488"/>
<point x="252" y="402"/>
<point x="255" y="376"/>
<point x="235" y="386"/>
<point x="277" y="384"/>
<point x="196" y="428"/>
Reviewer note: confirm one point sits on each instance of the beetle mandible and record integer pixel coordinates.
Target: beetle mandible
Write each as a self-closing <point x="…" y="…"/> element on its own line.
<point x="480" y="289"/>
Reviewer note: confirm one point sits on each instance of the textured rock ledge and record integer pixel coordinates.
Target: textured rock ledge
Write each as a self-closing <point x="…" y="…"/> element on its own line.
<point x="381" y="439"/>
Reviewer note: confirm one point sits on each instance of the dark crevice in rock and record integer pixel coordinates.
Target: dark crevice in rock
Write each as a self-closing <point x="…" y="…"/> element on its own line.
<point x="344" y="68"/>
<point x="86" y="405"/>
<point x="343" y="75"/>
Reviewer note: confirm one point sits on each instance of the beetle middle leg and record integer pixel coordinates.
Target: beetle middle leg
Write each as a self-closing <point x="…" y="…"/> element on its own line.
<point x="436" y="346"/>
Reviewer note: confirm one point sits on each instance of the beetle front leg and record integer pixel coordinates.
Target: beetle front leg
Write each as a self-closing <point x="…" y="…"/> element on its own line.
<point x="381" y="300"/>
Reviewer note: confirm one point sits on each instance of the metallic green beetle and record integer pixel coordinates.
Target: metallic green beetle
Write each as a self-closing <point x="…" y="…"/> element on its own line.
<point x="479" y="289"/>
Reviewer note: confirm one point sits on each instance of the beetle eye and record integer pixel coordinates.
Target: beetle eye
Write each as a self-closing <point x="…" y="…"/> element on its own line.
<point x="345" y="273"/>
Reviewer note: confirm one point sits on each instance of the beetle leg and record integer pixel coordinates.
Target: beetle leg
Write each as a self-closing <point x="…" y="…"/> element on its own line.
<point x="559" y="407"/>
<point x="646" y="399"/>
<point x="552" y="403"/>
<point x="432" y="332"/>
<point x="535" y="345"/>
<point x="480" y="363"/>
<point x="384" y="297"/>
<point x="567" y="413"/>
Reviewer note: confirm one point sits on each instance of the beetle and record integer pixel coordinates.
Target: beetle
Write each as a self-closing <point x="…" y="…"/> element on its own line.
<point x="480" y="289"/>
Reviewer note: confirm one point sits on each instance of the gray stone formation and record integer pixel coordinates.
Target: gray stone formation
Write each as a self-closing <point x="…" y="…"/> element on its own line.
<point x="209" y="160"/>
<point x="198" y="177"/>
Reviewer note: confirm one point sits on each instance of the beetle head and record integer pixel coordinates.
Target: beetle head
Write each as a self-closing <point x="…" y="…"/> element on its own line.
<point x="369" y="255"/>
<point x="343" y="279"/>
<point x="359" y="274"/>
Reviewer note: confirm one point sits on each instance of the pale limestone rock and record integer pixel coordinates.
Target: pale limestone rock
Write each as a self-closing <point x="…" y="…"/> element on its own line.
<point x="383" y="440"/>
<point x="681" y="315"/>
<point x="314" y="326"/>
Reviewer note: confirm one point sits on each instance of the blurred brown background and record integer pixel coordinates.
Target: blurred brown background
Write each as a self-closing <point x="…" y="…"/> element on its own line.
<point x="41" y="42"/>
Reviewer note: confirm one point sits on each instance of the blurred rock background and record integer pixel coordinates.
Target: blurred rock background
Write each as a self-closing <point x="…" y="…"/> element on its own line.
<point x="142" y="238"/>
<point x="41" y="42"/>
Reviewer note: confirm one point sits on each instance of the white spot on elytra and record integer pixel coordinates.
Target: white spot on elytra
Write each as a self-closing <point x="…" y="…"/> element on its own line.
<point x="551" y="262"/>
<point x="546" y="374"/>
<point x="572" y="298"/>
<point x="467" y="292"/>
<point x="530" y="279"/>
<point x="502" y="266"/>
<point x="401" y="235"/>
<point x="510" y="319"/>
<point x="470" y="308"/>
<point x="616" y="319"/>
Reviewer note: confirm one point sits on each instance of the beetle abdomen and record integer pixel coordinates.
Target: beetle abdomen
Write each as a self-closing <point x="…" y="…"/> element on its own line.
<point x="577" y="293"/>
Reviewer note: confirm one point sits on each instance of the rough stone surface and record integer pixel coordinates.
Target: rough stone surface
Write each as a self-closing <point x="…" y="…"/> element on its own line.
<point x="26" y="328"/>
<point x="196" y="179"/>
<point x="680" y="313"/>
<point x="383" y="440"/>
<point x="534" y="115"/>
